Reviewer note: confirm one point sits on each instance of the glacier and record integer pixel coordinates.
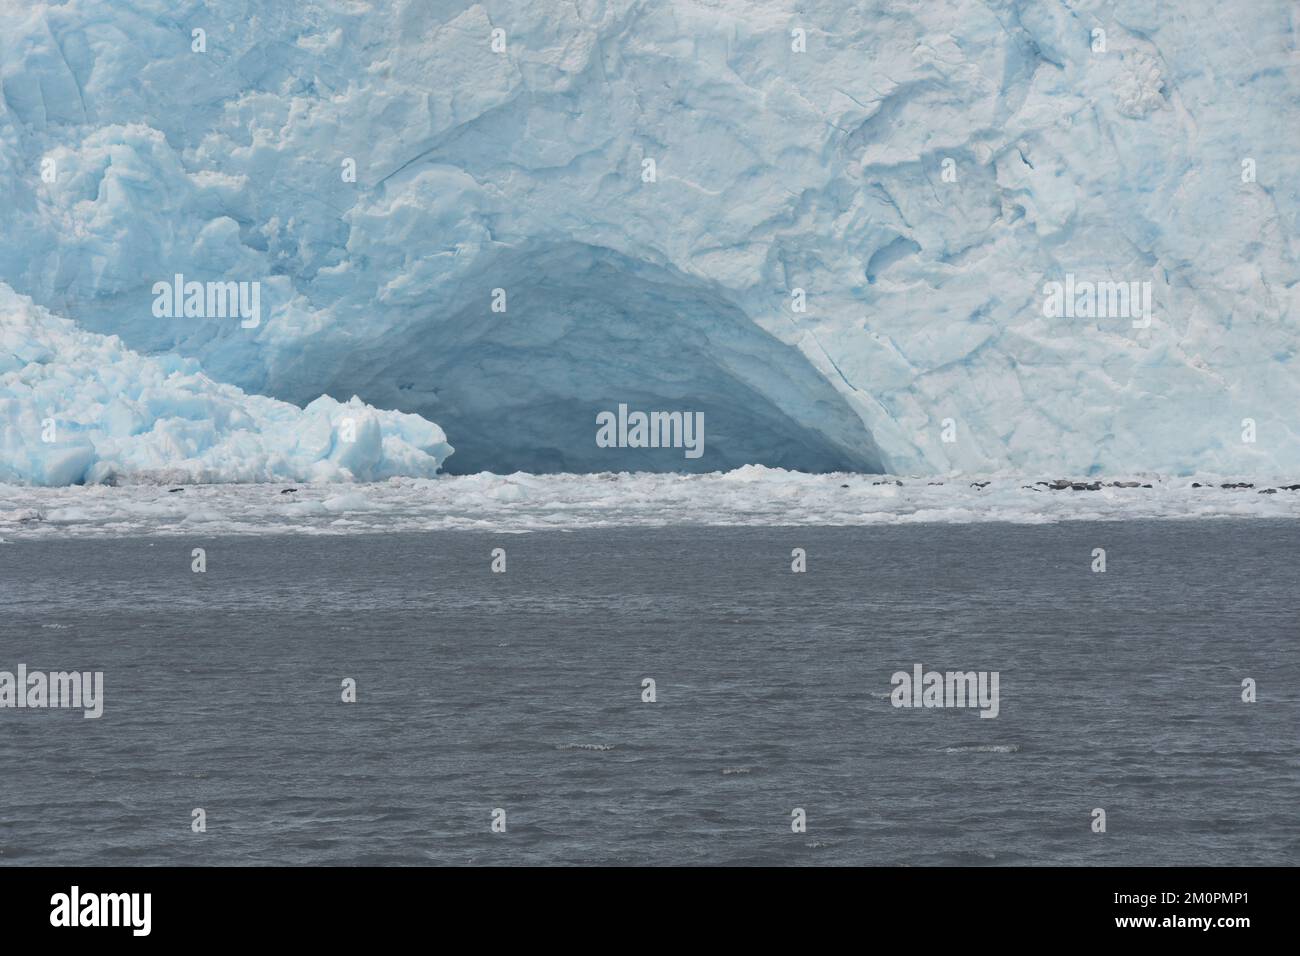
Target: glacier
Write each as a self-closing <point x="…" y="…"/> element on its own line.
<point x="80" y="408"/>
<point x="652" y="187"/>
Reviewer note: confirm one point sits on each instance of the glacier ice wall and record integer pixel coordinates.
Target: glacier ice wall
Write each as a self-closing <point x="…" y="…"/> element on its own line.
<point x="920" y="170"/>
<point x="80" y="408"/>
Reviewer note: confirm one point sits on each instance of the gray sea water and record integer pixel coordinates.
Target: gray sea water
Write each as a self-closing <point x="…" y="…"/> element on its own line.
<point x="522" y="691"/>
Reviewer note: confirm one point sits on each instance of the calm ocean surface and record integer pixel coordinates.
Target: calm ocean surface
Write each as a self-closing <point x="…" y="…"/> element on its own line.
<point x="522" y="691"/>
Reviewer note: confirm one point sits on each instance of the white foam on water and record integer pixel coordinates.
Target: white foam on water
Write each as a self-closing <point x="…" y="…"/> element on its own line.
<point x="749" y="496"/>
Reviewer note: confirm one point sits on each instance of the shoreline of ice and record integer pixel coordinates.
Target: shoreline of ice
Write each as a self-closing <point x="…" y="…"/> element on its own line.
<point x="749" y="496"/>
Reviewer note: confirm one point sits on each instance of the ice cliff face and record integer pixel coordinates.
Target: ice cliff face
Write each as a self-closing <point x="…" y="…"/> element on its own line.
<point x="648" y="185"/>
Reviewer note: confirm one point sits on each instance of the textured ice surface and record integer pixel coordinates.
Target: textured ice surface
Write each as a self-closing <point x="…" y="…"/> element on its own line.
<point x="526" y="502"/>
<point x="79" y="407"/>
<point x="775" y="170"/>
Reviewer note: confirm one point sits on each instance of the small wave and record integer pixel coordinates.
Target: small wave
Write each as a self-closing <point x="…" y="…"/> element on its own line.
<point x="982" y="749"/>
<point x="55" y="627"/>
<point x="600" y="747"/>
<point x="731" y="771"/>
<point x="966" y="857"/>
